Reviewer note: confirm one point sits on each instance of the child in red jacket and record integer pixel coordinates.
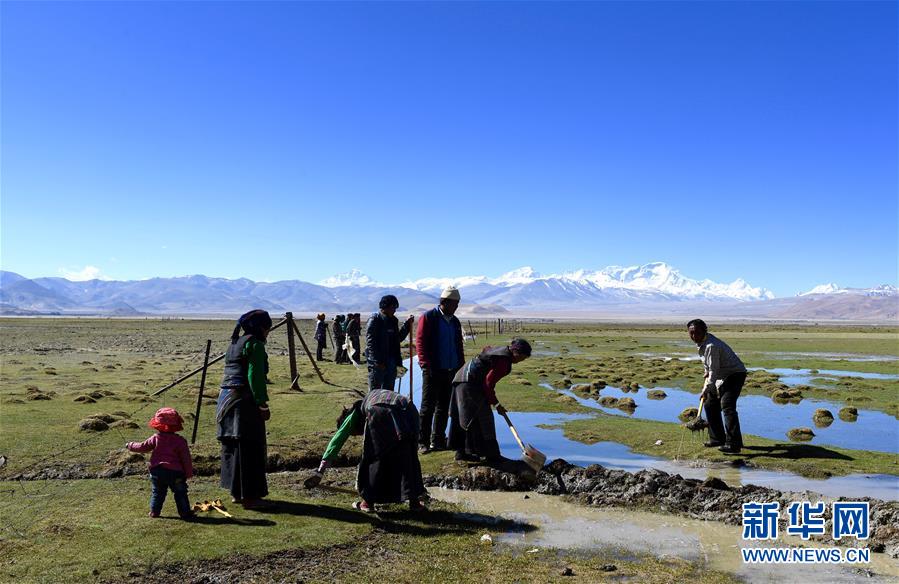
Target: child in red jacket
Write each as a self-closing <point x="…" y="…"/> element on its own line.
<point x="170" y="463"/>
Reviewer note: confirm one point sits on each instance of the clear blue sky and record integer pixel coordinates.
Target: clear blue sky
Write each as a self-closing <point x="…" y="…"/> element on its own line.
<point x="295" y="140"/>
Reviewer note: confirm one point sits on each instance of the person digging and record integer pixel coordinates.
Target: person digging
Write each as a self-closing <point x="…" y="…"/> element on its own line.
<point x="724" y="377"/>
<point x="389" y="471"/>
<point x="472" y="430"/>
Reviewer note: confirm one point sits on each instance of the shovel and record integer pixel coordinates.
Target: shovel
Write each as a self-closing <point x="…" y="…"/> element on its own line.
<point x="530" y="455"/>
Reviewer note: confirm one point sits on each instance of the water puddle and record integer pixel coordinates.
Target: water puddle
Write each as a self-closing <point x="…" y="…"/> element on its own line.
<point x="562" y="525"/>
<point x="544" y="431"/>
<point x="806" y="376"/>
<point x="761" y="416"/>
<point x="850" y="357"/>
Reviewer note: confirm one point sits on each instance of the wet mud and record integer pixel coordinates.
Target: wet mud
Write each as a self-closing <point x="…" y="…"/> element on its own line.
<point x="656" y="490"/>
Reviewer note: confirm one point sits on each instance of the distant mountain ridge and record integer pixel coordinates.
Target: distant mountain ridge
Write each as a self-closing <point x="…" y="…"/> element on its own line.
<point x="650" y="289"/>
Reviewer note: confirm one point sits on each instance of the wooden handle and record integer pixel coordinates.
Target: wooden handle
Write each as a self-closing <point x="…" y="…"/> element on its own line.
<point x="515" y="433"/>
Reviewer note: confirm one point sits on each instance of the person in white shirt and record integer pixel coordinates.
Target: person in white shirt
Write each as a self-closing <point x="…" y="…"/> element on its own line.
<point x="724" y="378"/>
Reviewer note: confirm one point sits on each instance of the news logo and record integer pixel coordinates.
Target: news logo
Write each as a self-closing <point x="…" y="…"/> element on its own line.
<point x="805" y="519"/>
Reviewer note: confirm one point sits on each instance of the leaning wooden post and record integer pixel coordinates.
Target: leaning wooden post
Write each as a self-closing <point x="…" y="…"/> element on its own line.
<point x="308" y="352"/>
<point x="193" y="436"/>
<point x="291" y="352"/>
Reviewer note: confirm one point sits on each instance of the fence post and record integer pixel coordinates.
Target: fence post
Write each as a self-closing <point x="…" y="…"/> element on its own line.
<point x="193" y="436"/>
<point x="291" y="351"/>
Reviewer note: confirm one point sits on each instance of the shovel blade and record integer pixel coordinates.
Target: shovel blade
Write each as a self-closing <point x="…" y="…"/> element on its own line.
<point x="534" y="458"/>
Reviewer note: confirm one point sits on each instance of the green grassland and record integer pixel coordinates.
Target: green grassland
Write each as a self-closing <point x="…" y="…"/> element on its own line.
<point x="57" y="529"/>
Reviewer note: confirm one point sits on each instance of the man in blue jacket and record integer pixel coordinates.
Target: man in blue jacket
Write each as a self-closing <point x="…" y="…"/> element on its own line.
<point x="383" y="336"/>
<point x="438" y="342"/>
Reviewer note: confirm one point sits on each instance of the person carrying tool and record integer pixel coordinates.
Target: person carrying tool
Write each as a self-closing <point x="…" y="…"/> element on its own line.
<point x="389" y="471"/>
<point x="383" y="336"/>
<point x="724" y="378"/>
<point x="339" y="339"/>
<point x="243" y="411"/>
<point x="438" y="342"/>
<point x="472" y="431"/>
<point x="320" y="336"/>
<point x="170" y="463"/>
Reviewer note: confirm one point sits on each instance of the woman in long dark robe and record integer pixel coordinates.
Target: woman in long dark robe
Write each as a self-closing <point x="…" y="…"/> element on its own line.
<point x="389" y="471"/>
<point x="473" y="432"/>
<point x="243" y="410"/>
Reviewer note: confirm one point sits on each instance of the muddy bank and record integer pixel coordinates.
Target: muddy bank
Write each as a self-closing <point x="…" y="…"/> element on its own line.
<point x="120" y="463"/>
<point x="656" y="490"/>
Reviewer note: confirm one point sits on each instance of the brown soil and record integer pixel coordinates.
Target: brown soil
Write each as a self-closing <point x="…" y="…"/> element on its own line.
<point x="328" y="564"/>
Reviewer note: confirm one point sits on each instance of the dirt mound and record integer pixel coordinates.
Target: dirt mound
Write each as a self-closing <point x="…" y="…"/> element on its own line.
<point x="599" y="384"/>
<point x="608" y="401"/>
<point x="800" y="434"/>
<point x="108" y="418"/>
<point x="85" y="399"/>
<point x="784" y="396"/>
<point x="566" y="399"/>
<point x="627" y="403"/>
<point x="125" y="425"/>
<point x="822" y="418"/>
<point x="582" y="387"/>
<point x="848" y="414"/>
<point x="688" y="414"/>
<point x="656" y="394"/>
<point x="93" y="425"/>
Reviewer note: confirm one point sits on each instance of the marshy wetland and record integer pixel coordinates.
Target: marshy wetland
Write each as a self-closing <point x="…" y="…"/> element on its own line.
<point x="73" y="391"/>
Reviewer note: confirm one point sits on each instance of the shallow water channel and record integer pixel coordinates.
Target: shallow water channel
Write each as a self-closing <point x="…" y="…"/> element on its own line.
<point x="761" y="416"/>
<point x="557" y="524"/>
<point x="808" y="376"/>
<point x="543" y="430"/>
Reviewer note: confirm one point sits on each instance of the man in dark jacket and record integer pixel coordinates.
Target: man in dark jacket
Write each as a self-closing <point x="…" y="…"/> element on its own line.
<point x="353" y="332"/>
<point x="440" y="353"/>
<point x="383" y="336"/>
<point x="340" y="355"/>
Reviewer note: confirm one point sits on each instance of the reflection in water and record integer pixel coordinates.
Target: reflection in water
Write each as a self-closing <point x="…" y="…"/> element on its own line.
<point x="760" y="416"/>
<point x="552" y="442"/>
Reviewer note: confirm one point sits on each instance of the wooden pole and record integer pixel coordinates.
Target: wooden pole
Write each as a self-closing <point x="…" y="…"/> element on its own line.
<point x="193" y="436"/>
<point x="308" y="352"/>
<point x="197" y="370"/>
<point x="292" y="352"/>
<point x="411" y="353"/>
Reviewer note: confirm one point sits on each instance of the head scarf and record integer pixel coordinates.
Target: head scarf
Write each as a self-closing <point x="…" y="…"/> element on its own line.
<point x="252" y="323"/>
<point x="521" y="346"/>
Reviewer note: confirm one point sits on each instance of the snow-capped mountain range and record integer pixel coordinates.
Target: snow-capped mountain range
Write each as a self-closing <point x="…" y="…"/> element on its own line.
<point x="883" y="290"/>
<point x="655" y="289"/>
<point x="653" y="278"/>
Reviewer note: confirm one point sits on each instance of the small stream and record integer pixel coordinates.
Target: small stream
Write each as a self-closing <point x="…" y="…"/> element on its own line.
<point x="552" y="442"/>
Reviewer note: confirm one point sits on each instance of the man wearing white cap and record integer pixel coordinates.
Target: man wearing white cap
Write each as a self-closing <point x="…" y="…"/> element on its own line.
<point x="438" y="342"/>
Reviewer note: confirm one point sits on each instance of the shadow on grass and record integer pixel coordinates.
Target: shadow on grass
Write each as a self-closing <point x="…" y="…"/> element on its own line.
<point x="793" y="452"/>
<point x="398" y="520"/>
<point x="323" y="511"/>
<point x="441" y="522"/>
<point x="222" y="520"/>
